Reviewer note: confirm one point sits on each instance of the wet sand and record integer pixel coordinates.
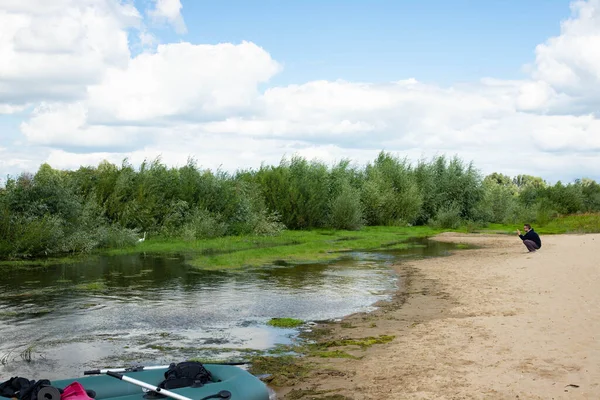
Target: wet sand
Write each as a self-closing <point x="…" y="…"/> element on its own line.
<point x="495" y="322"/>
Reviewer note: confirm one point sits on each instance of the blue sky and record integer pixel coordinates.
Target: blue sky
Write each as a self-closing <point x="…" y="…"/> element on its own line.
<point x="511" y="85"/>
<point x="381" y="40"/>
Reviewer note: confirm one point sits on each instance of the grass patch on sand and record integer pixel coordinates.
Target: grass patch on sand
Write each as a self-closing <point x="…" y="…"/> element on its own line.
<point x="285" y="370"/>
<point x="576" y="223"/>
<point x="289" y="369"/>
<point x="463" y="246"/>
<point x="285" y="322"/>
<point x="333" y="354"/>
<point x="582" y="223"/>
<point x="363" y="343"/>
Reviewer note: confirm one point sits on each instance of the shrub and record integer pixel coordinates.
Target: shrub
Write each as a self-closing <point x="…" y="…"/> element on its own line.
<point x="268" y="224"/>
<point x="447" y="217"/>
<point x="346" y="210"/>
<point x="203" y="225"/>
<point x="31" y="236"/>
<point x="521" y="213"/>
<point x="117" y="236"/>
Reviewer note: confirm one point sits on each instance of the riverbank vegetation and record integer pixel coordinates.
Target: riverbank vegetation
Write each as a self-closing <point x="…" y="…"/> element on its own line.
<point x="56" y="212"/>
<point x="575" y="223"/>
<point x="285" y="322"/>
<point x="288" y="247"/>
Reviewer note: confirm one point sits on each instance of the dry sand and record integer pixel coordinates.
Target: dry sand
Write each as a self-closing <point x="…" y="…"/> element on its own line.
<point x="491" y="323"/>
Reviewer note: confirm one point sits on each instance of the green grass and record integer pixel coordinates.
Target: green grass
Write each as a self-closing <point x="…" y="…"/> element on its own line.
<point x="288" y="247"/>
<point x="361" y="342"/>
<point x="8" y="314"/>
<point x="91" y="286"/>
<point x="285" y="369"/>
<point x="578" y="223"/>
<point x="285" y="322"/>
<point x="307" y="246"/>
<point x="41" y="263"/>
<point x="333" y="354"/>
<point x="583" y="223"/>
<point x="289" y="369"/>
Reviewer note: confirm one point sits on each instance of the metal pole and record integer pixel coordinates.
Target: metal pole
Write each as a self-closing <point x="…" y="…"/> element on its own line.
<point x="147" y="386"/>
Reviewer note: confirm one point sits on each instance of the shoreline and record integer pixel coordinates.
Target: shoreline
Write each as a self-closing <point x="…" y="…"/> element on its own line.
<point x="490" y="322"/>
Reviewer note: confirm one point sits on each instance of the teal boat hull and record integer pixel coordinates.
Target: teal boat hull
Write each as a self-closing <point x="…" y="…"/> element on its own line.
<point x="241" y="384"/>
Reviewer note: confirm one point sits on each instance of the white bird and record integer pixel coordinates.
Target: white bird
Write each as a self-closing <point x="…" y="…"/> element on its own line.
<point x="142" y="239"/>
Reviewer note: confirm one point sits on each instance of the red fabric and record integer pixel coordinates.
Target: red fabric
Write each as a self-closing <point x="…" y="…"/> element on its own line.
<point x="74" y="392"/>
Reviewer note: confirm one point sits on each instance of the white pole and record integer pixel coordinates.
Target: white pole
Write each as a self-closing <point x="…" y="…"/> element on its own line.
<point x="130" y="369"/>
<point x="147" y="386"/>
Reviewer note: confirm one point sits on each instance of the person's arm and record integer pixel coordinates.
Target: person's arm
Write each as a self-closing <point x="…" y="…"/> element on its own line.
<point x="519" y="234"/>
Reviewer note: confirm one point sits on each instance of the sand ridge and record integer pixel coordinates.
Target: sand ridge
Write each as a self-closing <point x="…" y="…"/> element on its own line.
<point x="495" y="322"/>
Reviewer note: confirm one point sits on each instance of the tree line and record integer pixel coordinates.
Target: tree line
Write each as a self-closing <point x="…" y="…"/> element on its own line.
<point x="62" y="211"/>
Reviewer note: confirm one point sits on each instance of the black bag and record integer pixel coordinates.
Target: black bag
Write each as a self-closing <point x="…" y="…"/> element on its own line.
<point x="187" y="373"/>
<point x="13" y="386"/>
<point x="22" y="388"/>
<point x="25" y="389"/>
<point x="31" y="393"/>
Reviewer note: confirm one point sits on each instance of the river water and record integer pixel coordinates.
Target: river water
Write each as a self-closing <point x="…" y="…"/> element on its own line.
<point x="124" y="310"/>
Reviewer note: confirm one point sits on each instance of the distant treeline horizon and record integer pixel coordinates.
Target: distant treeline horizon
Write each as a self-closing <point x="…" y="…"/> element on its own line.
<point x="54" y="212"/>
<point x="232" y="171"/>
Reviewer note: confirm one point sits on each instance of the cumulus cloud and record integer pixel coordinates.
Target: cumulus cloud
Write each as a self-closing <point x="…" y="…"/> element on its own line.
<point x="52" y="50"/>
<point x="10" y="109"/>
<point x="156" y="92"/>
<point x="568" y="133"/>
<point x="184" y="99"/>
<point x="568" y="65"/>
<point x="169" y="11"/>
<point x="66" y="125"/>
<point x="19" y="159"/>
<point x="147" y="39"/>
<point x="191" y="81"/>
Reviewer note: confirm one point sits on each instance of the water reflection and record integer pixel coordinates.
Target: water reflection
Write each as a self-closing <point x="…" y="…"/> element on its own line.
<point x="116" y="310"/>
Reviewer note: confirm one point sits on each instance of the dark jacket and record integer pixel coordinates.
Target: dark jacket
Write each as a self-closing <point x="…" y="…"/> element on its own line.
<point x="531" y="235"/>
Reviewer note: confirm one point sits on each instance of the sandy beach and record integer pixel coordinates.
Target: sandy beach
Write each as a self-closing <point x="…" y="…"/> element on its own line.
<point x="494" y="322"/>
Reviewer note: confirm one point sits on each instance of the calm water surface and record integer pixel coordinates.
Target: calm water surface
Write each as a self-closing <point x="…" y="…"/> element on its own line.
<point x="115" y="311"/>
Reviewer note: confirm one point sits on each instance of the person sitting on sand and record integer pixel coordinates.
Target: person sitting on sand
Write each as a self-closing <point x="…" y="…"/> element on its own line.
<point x="530" y="239"/>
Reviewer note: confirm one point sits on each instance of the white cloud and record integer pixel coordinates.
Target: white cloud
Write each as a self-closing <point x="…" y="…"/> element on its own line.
<point x="147" y="39"/>
<point x="62" y="159"/>
<point x="24" y="159"/>
<point x="169" y="11"/>
<point x="185" y="99"/>
<point x="66" y="125"/>
<point x="567" y="133"/>
<point x="51" y="50"/>
<point x="569" y="64"/>
<point x="535" y="95"/>
<point x="10" y="109"/>
<point x="192" y="81"/>
<point x="178" y="82"/>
